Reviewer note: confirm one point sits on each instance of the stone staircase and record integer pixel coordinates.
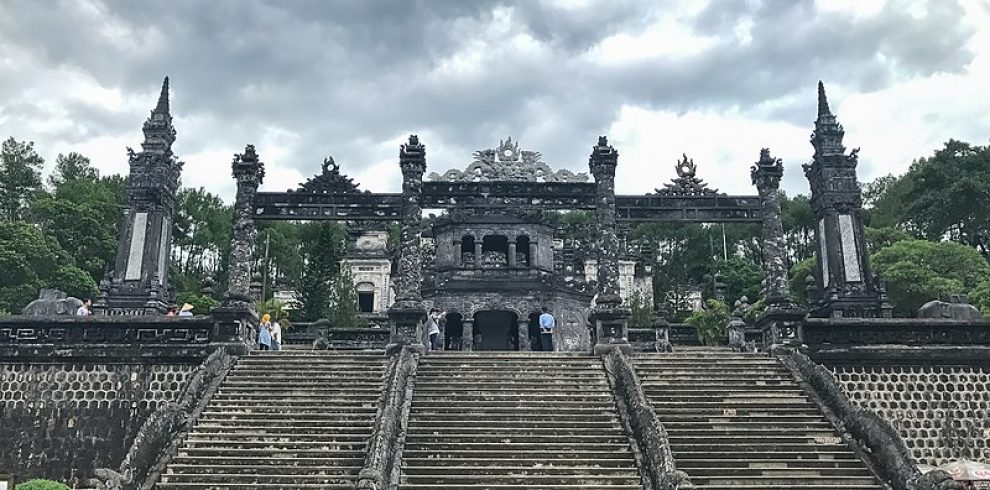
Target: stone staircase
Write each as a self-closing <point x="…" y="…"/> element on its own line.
<point x="298" y="419"/>
<point x="517" y="421"/>
<point x="740" y="421"/>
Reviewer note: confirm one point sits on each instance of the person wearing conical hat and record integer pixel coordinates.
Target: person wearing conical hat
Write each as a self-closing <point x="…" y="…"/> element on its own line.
<point x="265" y="332"/>
<point x="186" y="310"/>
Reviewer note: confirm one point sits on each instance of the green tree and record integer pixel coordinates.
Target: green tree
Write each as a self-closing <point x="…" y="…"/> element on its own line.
<point x="799" y="279"/>
<point x="343" y="309"/>
<point x="32" y="261"/>
<point x="20" y="177"/>
<point x="918" y="271"/>
<point x="712" y="323"/>
<point x="324" y="245"/>
<point x="943" y="196"/>
<point x="201" y="231"/>
<point x="742" y="277"/>
<point x="81" y="212"/>
<point x="980" y="296"/>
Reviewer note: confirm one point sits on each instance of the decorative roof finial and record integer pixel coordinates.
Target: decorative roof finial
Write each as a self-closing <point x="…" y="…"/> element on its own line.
<point x="823" y="109"/>
<point x="162" y="106"/>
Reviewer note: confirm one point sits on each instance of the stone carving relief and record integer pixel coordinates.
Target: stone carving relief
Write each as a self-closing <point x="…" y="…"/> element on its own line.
<point x="52" y="302"/>
<point x="687" y="182"/>
<point x="329" y="181"/>
<point x="508" y="163"/>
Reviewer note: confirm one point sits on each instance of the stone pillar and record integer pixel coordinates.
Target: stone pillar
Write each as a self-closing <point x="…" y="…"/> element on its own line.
<point x="467" y="335"/>
<point x="524" y="335"/>
<point x="407" y="314"/>
<point x="249" y="173"/>
<point x="477" y="252"/>
<point x="848" y="286"/>
<point x="458" y="259"/>
<point x="534" y="260"/>
<point x="511" y="259"/>
<point x="766" y="175"/>
<point x="611" y="320"/>
<point x="139" y="282"/>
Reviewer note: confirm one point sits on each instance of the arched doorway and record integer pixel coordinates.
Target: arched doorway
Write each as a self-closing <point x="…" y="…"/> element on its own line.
<point x="453" y="331"/>
<point x="535" y="342"/>
<point x="496" y="330"/>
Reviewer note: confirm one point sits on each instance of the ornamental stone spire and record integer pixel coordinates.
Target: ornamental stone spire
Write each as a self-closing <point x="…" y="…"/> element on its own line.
<point x="844" y="276"/>
<point x="139" y="282"/>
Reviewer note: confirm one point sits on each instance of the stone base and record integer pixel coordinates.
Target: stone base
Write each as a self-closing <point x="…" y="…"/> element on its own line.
<point x="406" y="322"/>
<point x="611" y="324"/>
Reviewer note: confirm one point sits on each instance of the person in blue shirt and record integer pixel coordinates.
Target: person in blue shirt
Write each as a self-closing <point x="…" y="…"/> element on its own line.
<point x="547" y="324"/>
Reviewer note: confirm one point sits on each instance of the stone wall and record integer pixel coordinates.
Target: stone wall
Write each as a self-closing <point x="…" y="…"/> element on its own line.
<point x="60" y="421"/>
<point x="941" y="411"/>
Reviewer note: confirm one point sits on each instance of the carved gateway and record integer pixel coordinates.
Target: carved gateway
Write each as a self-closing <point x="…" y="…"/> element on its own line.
<point x="508" y="163"/>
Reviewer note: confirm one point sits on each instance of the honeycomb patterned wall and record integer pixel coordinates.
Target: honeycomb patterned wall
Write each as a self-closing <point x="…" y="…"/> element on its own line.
<point x="941" y="412"/>
<point x="60" y="421"/>
<point x="92" y="385"/>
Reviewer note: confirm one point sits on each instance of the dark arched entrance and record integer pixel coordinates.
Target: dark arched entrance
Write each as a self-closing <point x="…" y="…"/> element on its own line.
<point x="534" y="332"/>
<point x="453" y="332"/>
<point x="496" y="330"/>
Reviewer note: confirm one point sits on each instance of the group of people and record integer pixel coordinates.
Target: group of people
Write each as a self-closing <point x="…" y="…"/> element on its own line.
<point x="269" y="334"/>
<point x="436" y="315"/>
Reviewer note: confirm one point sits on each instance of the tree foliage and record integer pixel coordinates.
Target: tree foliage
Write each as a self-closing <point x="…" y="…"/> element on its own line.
<point x="343" y="301"/>
<point x="324" y="245"/>
<point x="712" y="322"/>
<point x="20" y="177"/>
<point x="918" y="271"/>
<point x="31" y="261"/>
<point x="38" y="484"/>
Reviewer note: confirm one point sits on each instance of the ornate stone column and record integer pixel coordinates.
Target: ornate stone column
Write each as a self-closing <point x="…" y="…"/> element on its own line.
<point x="524" y="335"/>
<point x="848" y="286"/>
<point x="139" y="282"/>
<point x="407" y="314"/>
<point x="611" y="320"/>
<point x="467" y="333"/>
<point x="249" y="173"/>
<point x="477" y="251"/>
<point x="511" y="259"/>
<point x="766" y="175"/>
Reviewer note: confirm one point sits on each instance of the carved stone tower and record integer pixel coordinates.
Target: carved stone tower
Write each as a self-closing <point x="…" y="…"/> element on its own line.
<point x="139" y="283"/>
<point x="849" y="287"/>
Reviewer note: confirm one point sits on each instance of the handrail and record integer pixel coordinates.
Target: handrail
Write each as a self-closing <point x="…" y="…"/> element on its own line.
<point x="385" y="449"/>
<point x="649" y="433"/>
<point x="886" y="450"/>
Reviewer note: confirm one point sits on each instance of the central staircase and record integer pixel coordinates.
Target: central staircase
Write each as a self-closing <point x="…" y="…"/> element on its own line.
<point x="289" y="419"/>
<point x="740" y="421"/>
<point x="515" y="421"/>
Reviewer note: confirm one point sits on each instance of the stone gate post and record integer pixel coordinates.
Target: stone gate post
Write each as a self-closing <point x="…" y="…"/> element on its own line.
<point x="610" y="319"/>
<point x="407" y="314"/>
<point x="249" y="173"/>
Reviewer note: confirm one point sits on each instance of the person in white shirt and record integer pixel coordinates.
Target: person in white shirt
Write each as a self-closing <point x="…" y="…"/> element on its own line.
<point x="276" y="330"/>
<point x="84" y="309"/>
<point x="433" y="327"/>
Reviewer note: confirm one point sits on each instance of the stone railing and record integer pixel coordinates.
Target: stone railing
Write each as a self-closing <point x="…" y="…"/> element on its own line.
<point x="902" y="331"/>
<point x="381" y="464"/>
<point x="149" y="451"/>
<point x="637" y="414"/>
<point x="884" y="447"/>
<point x="119" y="336"/>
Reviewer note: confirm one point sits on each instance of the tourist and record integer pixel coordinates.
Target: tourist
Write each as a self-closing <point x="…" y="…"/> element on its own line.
<point x="547" y="324"/>
<point x="265" y="332"/>
<point x="172" y="310"/>
<point x="276" y="330"/>
<point x="433" y="326"/>
<point x="84" y="309"/>
<point x="186" y="310"/>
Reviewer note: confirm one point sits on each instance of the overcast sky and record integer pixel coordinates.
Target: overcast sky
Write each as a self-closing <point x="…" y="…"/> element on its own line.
<point x="305" y="79"/>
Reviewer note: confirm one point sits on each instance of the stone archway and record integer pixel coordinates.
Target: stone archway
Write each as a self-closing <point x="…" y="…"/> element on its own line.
<point x="496" y="330"/>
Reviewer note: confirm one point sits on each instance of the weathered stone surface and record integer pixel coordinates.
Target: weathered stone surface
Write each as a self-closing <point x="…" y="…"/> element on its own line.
<point x="139" y="282"/>
<point x="848" y="286"/>
<point x="52" y="302"/>
<point x="249" y="173"/>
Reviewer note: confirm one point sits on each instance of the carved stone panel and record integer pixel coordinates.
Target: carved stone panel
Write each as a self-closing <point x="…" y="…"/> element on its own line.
<point x="850" y="253"/>
<point x="135" y="258"/>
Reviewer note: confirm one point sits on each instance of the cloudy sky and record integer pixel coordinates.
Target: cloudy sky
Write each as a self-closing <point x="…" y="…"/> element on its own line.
<point x="716" y="80"/>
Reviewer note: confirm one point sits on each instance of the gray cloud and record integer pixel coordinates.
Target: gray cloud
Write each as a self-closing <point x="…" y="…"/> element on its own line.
<point x="347" y="75"/>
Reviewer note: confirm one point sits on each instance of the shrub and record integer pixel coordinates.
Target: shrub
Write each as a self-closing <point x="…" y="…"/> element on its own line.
<point x="39" y="484"/>
<point x="712" y="323"/>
